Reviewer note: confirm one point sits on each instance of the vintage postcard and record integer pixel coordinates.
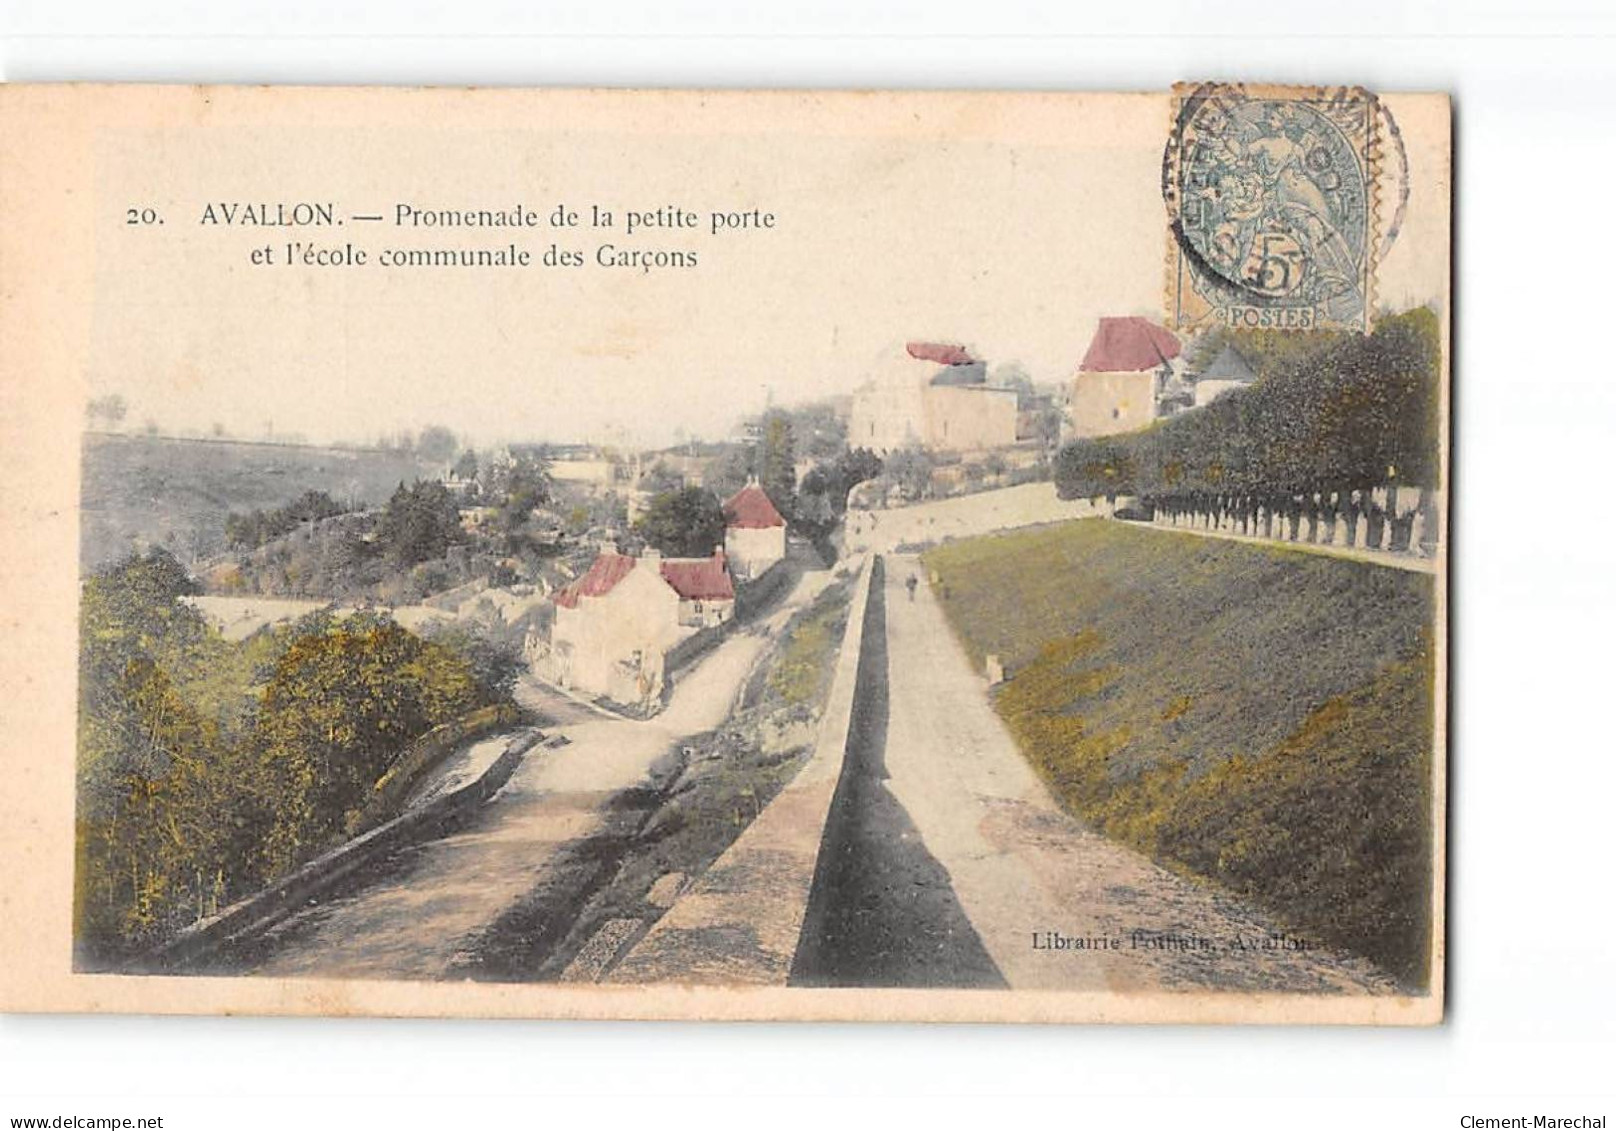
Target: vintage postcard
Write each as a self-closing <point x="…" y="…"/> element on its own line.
<point x="766" y="555"/>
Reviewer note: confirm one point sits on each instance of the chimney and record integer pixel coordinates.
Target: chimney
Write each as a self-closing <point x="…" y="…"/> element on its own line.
<point x="652" y="557"/>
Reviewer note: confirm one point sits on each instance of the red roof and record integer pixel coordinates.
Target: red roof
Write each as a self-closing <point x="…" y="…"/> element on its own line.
<point x="1128" y="345"/>
<point x="699" y="579"/>
<point x="602" y="576"/>
<point x="694" y="579"/>
<point x="751" y="509"/>
<point x="943" y="353"/>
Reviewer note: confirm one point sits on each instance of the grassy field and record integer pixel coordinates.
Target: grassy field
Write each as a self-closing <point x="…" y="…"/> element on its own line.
<point x="144" y="490"/>
<point x="1257" y="716"/>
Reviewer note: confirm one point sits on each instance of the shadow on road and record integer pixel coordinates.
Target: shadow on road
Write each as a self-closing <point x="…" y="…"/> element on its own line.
<point x="882" y="911"/>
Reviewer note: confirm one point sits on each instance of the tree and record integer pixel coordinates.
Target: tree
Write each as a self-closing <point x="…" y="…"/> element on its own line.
<point x="522" y="486"/>
<point x="419" y="523"/>
<point x="910" y="469"/>
<point x="1094" y="469"/>
<point x="1330" y="416"/>
<point x="108" y="411"/>
<point x="465" y="468"/>
<point x="686" y="523"/>
<point x="156" y="768"/>
<point x="661" y="478"/>
<point x="436" y="444"/>
<point x="252" y="529"/>
<point x="818" y="430"/>
<point x="344" y="699"/>
<point x="732" y="470"/>
<point x="1014" y="375"/>
<point x="777" y="460"/>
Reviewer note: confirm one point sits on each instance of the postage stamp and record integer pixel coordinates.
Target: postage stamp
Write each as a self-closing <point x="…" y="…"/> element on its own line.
<point x="1272" y="200"/>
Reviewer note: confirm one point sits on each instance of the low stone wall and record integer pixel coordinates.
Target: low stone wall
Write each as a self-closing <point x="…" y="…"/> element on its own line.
<point x="423" y="756"/>
<point x="740" y="923"/>
<point x="760" y="594"/>
<point x="964" y="516"/>
<point x="691" y="649"/>
<point x="249" y="917"/>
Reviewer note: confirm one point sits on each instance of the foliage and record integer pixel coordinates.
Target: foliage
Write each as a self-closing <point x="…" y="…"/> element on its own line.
<point x="1095" y="468"/>
<point x="910" y="471"/>
<point x="517" y="487"/>
<point x="777" y="461"/>
<point x="108" y="410"/>
<point x="661" y="478"/>
<point x="344" y="698"/>
<point x="818" y="430"/>
<point x="251" y="529"/>
<point x="494" y="661"/>
<point x="205" y="768"/>
<point x="822" y="496"/>
<point x="419" y="523"/>
<point x="731" y="470"/>
<point x="1256" y="716"/>
<point x="1328" y="417"/>
<point x="686" y="523"/>
<point x="436" y="444"/>
<point x="465" y="468"/>
<point x="141" y="492"/>
<point x="802" y="669"/>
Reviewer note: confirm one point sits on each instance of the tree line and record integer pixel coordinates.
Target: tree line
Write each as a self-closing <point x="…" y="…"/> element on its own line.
<point x="1330" y="430"/>
<point x="208" y="768"/>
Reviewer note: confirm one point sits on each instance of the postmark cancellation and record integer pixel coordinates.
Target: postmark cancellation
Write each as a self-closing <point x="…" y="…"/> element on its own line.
<point x="1272" y="197"/>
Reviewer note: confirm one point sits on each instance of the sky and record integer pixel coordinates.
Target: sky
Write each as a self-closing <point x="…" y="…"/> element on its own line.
<point x="1008" y="223"/>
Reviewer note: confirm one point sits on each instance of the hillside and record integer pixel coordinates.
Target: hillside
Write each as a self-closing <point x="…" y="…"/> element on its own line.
<point x="1253" y="715"/>
<point x="143" y="490"/>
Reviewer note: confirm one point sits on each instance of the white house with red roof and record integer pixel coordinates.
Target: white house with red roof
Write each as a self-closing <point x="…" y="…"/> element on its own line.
<point x="615" y="625"/>
<point x="935" y="396"/>
<point x="754" y="531"/>
<point x="1128" y="363"/>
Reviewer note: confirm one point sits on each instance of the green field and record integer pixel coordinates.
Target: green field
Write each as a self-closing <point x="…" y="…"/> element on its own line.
<point x="139" y="491"/>
<point x="1258" y="716"/>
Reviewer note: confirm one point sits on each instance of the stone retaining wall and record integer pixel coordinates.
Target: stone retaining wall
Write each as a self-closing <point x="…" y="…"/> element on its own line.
<point x="740" y="923"/>
<point x="255" y="914"/>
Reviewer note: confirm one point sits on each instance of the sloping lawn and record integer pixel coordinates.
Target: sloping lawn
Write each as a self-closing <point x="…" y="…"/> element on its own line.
<point x="1258" y="716"/>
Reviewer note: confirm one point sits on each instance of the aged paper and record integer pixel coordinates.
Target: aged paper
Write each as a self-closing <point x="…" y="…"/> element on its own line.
<point x="902" y="556"/>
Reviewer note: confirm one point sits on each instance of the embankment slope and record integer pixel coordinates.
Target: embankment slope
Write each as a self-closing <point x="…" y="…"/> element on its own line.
<point x="1250" y="715"/>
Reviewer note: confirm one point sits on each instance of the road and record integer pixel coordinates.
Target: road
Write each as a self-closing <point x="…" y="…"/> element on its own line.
<point x="949" y="856"/>
<point x="482" y="901"/>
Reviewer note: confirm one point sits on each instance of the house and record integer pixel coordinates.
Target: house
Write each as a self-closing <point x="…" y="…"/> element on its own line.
<point x="615" y="625"/>
<point x="1128" y="365"/>
<point x="1229" y="370"/>
<point x="754" y="531"/>
<point x="944" y="404"/>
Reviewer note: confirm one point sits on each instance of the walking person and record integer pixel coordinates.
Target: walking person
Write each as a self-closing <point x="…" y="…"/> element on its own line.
<point x="910" y="585"/>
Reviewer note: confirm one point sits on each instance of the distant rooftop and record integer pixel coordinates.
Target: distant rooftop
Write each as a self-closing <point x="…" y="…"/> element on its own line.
<point x="694" y="579"/>
<point x="1229" y="365"/>
<point x="943" y="353"/>
<point x="1129" y="344"/>
<point x="750" y="508"/>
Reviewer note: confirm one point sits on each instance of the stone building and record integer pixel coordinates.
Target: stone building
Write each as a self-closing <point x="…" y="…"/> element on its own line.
<point x="1129" y="363"/>
<point x="754" y="532"/>
<point x="942" y="404"/>
<point x="615" y="625"/>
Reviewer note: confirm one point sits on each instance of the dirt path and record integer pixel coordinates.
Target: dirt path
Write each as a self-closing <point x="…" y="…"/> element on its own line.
<point x="428" y="911"/>
<point x="1053" y="905"/>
